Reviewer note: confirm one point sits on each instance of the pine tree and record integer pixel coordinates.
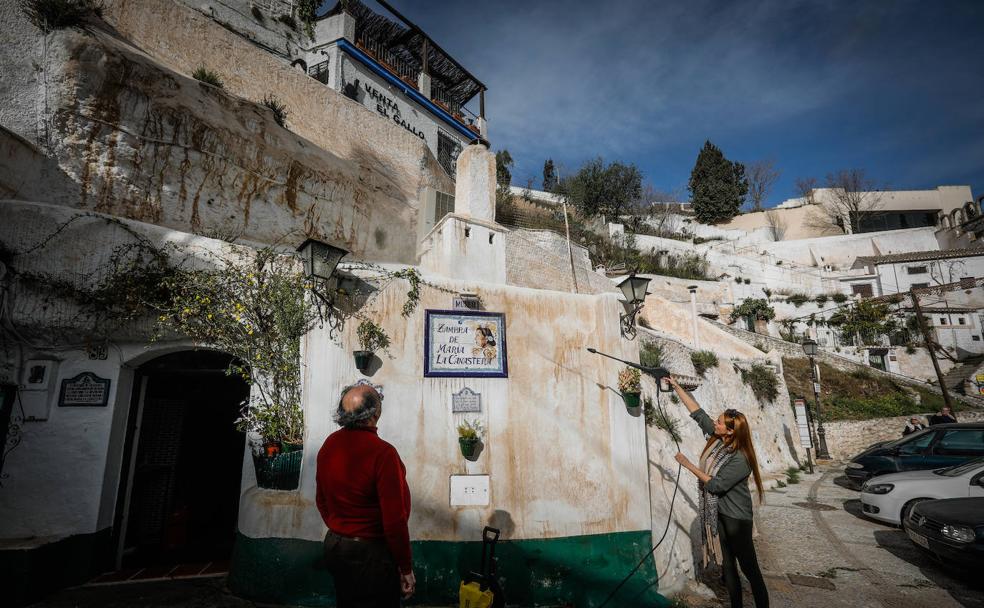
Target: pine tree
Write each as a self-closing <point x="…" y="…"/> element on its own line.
<point x="549" y="176"/>
<point x="717" y="186"/>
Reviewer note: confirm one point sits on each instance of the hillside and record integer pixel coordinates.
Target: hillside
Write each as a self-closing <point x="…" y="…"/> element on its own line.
<point x="857" y="395"/>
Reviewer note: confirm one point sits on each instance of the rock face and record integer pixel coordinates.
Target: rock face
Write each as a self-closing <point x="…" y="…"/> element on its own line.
<point x="121" y="134"/>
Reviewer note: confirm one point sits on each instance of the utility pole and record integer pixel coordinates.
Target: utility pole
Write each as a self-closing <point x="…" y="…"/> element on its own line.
<point x="930" y="345"/>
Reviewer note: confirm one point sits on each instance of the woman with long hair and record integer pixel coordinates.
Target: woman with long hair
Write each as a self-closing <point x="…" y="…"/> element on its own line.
<point x="726" y="462"/>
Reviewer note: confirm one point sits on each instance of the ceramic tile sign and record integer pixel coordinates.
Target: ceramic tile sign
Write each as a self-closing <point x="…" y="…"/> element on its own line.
<point x="469" y="490"/>
<point x="466" y="400"/>
<point x="84" y="390"/>
<point x="465" y="344"/>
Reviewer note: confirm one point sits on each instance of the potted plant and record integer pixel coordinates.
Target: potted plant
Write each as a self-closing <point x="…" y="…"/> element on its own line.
<point x="371" y="338"/>
<point x="630" y="385"/>
<point x="469" y="435"/>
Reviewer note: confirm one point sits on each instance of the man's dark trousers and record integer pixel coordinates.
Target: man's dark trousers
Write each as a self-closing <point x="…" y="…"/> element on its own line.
<point x="365" y="574"/>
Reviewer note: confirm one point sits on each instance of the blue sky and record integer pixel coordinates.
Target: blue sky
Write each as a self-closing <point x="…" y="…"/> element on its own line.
<point x="895" y="87"/>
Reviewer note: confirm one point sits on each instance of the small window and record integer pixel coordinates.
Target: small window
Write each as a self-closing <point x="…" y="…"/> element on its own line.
<point x="919" y="285"/>
<point x="942" y="320"/>
<point x="443" y="205"/>
<point x="864" y="290"/>
<point x="962" y="321"/>
<point x="975" y="338"/>
<point x="917" y="269"/>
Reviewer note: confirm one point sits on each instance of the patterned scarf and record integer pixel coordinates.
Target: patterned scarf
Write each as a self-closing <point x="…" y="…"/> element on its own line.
<point x="711" y="462"/>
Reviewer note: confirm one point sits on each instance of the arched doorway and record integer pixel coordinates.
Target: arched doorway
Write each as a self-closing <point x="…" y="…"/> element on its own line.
<point x="182" y="465"/>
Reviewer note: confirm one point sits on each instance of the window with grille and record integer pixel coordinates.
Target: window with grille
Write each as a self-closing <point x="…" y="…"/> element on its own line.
<point x="917" y="270"/>
<point x="919" y="285"/>
<point x="448" y="150"/>
<point x="443" y="205"/>
<point x="319" y="72"/>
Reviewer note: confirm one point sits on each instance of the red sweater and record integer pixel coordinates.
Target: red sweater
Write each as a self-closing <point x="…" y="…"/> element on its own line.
<point x="362" y="490"/>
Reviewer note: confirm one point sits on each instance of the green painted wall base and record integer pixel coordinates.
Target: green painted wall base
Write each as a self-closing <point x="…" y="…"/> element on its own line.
<point x="578" y="570"/>
<point x="27" y="575"/>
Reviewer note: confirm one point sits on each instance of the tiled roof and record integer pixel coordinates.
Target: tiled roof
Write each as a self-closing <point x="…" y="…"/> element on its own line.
<point x="918" y="256"/>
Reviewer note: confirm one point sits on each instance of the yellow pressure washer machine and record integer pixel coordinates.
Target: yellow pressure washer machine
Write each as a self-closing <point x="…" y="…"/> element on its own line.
<point x="482" y="589"/>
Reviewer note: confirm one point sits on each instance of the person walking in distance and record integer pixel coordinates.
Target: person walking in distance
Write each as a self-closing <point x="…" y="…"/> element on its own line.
<point x="364" y="499"/>
<point x="726" y="462"/>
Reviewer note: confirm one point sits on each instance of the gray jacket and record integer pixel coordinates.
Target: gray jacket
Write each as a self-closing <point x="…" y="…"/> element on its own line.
<point x="730" y="484"/>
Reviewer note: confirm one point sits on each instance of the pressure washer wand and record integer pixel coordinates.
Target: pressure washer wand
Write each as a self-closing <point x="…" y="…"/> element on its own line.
<point x="657" y="372"/>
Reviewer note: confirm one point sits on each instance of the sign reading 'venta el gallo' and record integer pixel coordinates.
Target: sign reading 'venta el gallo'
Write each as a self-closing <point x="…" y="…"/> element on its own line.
<point x="465" y="344"/>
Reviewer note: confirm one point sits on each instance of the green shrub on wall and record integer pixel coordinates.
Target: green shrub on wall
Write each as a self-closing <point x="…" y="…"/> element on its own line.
<point x="651" y="354"/>
<point x="763" y="381"/>
<point x="656" y="417"/>
<point x="203" y="74"/>
<point x="703" y="360"/>
<point x="753" y="307"/>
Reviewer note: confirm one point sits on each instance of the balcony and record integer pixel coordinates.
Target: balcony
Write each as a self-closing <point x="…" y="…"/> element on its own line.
<point x="403" y="50"/>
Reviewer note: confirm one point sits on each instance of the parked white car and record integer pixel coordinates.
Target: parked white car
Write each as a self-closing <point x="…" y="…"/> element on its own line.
<point x="889" y="498"/>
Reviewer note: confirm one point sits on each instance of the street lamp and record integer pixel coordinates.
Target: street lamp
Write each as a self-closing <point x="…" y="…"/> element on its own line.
<point x="810" y="349"/>
<point x="634" y="290"/>
<point x="320" y="259"/>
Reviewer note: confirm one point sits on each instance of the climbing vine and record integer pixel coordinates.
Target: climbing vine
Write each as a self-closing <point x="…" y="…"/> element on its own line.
<point x="255" y="305"/>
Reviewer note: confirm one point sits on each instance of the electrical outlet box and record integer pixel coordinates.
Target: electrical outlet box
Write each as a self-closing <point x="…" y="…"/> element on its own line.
<point x="470" y="490"/>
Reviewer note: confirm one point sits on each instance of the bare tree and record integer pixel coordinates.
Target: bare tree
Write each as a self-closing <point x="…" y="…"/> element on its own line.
<point x="762" y="175"/>
<point x="777" y="224"/>
<point x="663" y="207"/>
<point x="849" y="198"/>
<point x="805" y="187"/>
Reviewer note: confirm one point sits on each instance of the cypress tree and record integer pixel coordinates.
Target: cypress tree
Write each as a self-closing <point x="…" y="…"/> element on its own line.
<point x="549" y="176"/>
<point x="717" y="186"/>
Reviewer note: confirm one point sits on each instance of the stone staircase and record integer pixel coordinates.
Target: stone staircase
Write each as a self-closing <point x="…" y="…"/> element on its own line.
<point x="954" y="379"/>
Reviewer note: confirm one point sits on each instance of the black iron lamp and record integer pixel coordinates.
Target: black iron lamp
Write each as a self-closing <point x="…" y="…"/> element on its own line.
<point x="320" y="258"/>
<point x="634" y="289"/>
<point x="810" y="350"/>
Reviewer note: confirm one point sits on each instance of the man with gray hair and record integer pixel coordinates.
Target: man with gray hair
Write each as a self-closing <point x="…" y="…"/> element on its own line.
<point x="364" y="499"/>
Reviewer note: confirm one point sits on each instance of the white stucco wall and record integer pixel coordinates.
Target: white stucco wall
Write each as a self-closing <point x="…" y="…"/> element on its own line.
<point x="564" y="455"/>
<point x="840" y="251"/>
<point x="724" y="258"/>
<point x="898" y="277"/>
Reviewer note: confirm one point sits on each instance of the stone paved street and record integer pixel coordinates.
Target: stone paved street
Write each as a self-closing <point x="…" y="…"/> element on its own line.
<point x="815" y="528"/>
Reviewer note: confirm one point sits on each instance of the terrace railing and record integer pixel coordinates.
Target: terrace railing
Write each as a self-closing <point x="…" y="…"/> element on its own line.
<point x="405" y="71"/>
<point x="319" y="72"/>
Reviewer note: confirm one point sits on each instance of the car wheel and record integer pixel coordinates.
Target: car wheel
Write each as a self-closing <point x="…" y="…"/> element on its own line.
<point x="907" y="507"/>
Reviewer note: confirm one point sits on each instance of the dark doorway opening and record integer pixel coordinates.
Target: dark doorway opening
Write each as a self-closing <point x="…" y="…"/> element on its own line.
<point x="179" y="499"/>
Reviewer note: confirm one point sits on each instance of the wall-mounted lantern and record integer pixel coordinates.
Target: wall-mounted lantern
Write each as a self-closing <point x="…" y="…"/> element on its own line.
<point x="320" y="259"/>
<point x="634" y="290"/>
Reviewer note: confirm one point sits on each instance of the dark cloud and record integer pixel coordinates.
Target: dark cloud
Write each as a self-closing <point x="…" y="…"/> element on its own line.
<point x="894" y="87"/>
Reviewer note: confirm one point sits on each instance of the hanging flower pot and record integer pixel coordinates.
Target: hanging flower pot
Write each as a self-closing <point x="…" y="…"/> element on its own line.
<point x="372" y="338"/>
<point x="362" y="359"/>
<point x="630" y="386"/>
<point x="469" y="436"/>
<point x="468" y="445"/>
<point x="280" y="468"/>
